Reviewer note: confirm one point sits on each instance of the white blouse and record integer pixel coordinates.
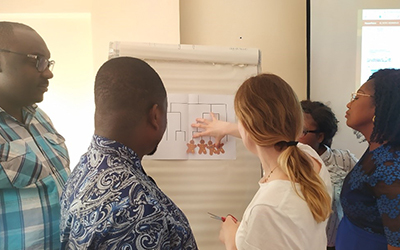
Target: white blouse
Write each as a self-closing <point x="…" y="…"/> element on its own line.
<point x="277" y="218"/>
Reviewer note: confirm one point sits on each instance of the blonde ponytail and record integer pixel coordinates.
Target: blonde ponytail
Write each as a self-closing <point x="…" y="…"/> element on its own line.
<point x="299" y="169"/>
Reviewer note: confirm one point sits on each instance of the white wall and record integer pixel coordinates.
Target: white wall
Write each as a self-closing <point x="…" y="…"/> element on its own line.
<point x="154" y="21"/>
<point x="334" y="74"/>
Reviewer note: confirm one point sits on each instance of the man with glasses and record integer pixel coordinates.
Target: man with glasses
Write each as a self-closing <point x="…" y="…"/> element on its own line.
<point x="34" y="162"/>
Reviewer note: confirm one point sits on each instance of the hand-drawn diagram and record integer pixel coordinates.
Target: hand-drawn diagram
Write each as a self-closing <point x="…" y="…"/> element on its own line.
<point x="178" y="141"/>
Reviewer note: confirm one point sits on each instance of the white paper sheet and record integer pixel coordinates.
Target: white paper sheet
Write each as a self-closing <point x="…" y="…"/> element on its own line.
<point x="178" y="142"/>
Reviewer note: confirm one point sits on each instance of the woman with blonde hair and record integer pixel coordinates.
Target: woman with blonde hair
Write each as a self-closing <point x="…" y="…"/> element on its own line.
<point x="291" y="207"/>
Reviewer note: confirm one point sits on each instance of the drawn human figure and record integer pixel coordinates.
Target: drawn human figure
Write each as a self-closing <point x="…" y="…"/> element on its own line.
<point x="191" y="146"/>
<point x="202" y="147"/>
<point x="211" y="147"/>
<point x="220" y="149"/>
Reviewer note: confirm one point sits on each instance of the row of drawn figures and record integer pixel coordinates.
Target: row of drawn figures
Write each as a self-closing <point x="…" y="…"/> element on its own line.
<point x="203" y="147"/>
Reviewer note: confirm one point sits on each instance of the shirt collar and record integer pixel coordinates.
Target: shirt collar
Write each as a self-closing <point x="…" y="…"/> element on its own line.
<point x="31" y="109"/>
<point x="106" y="144"/>
<point x="327" y="154"/>
<point x="109" y="146"/>
<point x="27" y="112"/>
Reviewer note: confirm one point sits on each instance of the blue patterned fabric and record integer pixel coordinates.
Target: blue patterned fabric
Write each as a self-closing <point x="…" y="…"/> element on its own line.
<point x="34" y="166"/>
<point x="352" y="237"/>
<point x="109" y="202"/>
<point x="370" y="196"/>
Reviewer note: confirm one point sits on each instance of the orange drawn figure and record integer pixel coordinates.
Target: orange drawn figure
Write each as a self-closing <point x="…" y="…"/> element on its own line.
<point x="191" y="146"/>
<point x="220" y="149"/>
<point x="211" y="147"/>
<point x="202" y="147"/>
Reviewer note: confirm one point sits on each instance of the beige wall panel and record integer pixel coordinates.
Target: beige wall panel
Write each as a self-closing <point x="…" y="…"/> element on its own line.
<point x="277" y="28"/>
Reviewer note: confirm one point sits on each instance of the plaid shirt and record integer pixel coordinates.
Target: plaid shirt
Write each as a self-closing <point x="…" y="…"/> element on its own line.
<point x="34" y="166"/>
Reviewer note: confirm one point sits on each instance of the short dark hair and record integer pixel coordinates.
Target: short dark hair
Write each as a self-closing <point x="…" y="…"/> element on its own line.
<point x="386" y="83"/>
<point x="127" y="84"/>
<point x="324" y="117"/>
<point x="7" y="32"/>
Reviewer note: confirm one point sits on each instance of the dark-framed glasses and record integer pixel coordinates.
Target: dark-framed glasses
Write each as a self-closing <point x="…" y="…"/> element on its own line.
<point x="305" y="131"/>
<point x="42" y="63"/>
<point x="355" y="94"/>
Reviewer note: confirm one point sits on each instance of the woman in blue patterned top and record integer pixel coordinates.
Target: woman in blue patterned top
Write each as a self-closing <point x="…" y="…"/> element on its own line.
<point x="370" y="195"/>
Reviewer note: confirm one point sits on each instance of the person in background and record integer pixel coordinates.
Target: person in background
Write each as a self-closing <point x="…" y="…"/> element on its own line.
<point x="109" y="202"/>
<point x="34" y="163"/>
<point x="370" y="194"/>
<point x="291" y="208"/>
<point x="320" y="126"/>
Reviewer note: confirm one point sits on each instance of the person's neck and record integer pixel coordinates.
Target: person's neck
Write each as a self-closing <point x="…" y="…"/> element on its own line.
<point x="374" y="145"/>
<point x="269" y="161"/>
<point x="14" y="111"/>
<point x="321" y="149"/>
<point x="126" y="137"/>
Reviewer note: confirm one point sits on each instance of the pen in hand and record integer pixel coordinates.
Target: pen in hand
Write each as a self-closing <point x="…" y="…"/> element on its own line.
<point x="221" y="218"/>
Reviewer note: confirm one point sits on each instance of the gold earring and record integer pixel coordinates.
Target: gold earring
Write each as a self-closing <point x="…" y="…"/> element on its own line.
<point x="373" y="119"/>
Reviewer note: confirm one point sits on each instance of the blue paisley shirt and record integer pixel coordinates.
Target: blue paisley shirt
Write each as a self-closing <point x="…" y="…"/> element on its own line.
<point x="370" y="195"/>
<point x="109" y="202"/>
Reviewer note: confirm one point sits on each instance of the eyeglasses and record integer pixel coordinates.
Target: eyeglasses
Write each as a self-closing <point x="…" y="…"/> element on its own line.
<point x="354" y="96"/>
<point x="41" y="62"/>
<point x="305" y="132"/>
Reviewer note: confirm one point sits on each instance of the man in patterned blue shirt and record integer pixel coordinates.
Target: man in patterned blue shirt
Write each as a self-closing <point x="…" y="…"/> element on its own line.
<point x="34" y="164"/>
<point x="109" y="202"/>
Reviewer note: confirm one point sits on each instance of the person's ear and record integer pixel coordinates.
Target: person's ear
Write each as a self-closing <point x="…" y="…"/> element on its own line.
<point x="154" y="116"/>
<point x="321" y="137"/>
